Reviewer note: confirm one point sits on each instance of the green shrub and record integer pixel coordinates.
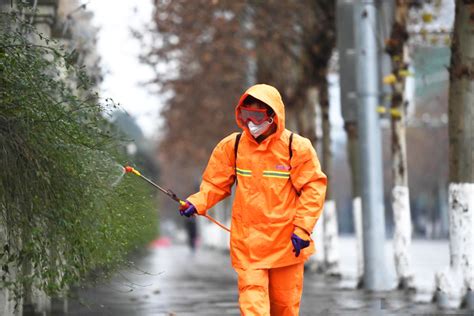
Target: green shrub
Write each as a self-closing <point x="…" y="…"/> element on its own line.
<point x="62" y="216"/>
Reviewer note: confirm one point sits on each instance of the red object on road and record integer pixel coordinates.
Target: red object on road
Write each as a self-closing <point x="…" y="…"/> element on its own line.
<point x="160" y="242"/>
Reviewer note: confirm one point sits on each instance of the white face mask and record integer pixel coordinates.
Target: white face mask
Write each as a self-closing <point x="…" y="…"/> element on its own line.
<point x="257" y="130"/>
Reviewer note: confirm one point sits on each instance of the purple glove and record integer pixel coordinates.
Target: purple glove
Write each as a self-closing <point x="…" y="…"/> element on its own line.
<point x="298" y="244"/>
<point x="187" y="210"/>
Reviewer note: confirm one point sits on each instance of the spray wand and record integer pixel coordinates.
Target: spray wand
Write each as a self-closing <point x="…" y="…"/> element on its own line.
<point x="169" y="193"/>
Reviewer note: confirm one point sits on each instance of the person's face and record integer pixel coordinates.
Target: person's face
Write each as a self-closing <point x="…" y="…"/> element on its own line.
<point x="259" y="106"/>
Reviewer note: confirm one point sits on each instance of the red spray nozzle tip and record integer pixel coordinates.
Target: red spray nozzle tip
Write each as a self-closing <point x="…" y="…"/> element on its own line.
<point x="128" y="169"/>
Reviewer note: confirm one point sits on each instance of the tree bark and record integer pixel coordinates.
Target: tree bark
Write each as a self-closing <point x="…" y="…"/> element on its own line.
<point x="331" y="239"/>
<point x="7" y="304"/>
<point x="396" y="48"/>
<point x="461" y="96"/>
<point x="459" y="277"/>
<point x="353" y="157"/>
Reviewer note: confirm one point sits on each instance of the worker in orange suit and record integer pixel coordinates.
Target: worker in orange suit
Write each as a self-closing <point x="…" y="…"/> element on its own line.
<point x="278" y="200"/>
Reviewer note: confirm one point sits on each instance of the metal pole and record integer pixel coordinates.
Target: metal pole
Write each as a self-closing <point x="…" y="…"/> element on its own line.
<point x="367" y="76"/>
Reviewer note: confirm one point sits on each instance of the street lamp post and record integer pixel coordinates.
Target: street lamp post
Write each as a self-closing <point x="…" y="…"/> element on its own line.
<point x="367" y="75"/>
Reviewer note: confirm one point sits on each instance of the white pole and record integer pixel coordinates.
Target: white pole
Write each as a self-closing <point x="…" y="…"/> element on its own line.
<point x="370" y="146"/>
<point x="357" y="214"/>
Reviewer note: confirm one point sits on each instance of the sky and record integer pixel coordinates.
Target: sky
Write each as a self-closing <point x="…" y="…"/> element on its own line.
<point x="124" y="76"/>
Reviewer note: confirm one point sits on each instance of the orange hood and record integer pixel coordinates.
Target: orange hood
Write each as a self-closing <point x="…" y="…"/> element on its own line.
<point x="270" y="96"/>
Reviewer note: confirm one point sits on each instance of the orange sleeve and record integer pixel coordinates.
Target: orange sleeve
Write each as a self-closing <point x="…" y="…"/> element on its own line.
<point x="310" y="182"/>
<point x="218" y="177"/>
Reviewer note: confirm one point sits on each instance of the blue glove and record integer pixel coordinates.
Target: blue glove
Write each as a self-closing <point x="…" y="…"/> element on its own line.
<point x="187" y="210"/>
<point x="298" y="244"/>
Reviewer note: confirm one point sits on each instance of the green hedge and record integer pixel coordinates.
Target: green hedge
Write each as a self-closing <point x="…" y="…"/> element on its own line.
<point x="63" y="217"/>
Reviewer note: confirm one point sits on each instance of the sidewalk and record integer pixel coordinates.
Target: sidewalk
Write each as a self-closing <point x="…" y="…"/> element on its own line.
<point x="169" y="280"/>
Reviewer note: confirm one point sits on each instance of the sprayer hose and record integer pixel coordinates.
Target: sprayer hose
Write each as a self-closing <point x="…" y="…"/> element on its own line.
<point x="217" y="223"/>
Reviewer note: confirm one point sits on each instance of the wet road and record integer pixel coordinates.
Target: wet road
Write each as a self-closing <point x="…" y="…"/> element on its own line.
<point x="169" y="280"/>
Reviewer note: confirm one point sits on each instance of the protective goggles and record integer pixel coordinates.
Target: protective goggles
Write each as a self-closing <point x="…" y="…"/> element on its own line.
<point x="257" y="116"/>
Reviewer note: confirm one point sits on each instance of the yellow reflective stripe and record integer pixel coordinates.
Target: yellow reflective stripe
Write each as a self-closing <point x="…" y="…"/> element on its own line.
<point x="243" y="172"/>
<point x="276" y="174"/>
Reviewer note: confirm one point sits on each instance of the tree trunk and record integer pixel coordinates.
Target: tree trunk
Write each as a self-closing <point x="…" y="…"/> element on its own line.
<point x="331" y="239"/>
<point x="459" y="277"/>
<point x="291" y="118"/>
<point x="353" y="157"/>
<point x="396" y="48"/>
<point x="7" y="304"/>
<point x="307" y="127"/>
<point x="400" y="192"/>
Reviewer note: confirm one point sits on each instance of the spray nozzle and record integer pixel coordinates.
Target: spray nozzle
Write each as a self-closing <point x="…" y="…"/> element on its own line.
<point x="129" y="169"/>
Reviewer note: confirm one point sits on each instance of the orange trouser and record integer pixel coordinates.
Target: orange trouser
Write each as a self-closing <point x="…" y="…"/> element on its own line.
<point x="275" y="292"/>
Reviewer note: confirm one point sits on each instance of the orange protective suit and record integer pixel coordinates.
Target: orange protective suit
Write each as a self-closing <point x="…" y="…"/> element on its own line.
<point x="275" y="292"/>
<point x="275" y="195"/>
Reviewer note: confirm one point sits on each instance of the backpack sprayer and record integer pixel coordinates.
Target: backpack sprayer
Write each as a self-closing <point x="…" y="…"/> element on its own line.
<point x="168" y="192"/>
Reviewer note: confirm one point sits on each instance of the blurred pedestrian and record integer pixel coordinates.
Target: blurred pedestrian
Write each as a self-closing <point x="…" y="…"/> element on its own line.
<point x="191" y="232"/>
<point x="278" y="199"/>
